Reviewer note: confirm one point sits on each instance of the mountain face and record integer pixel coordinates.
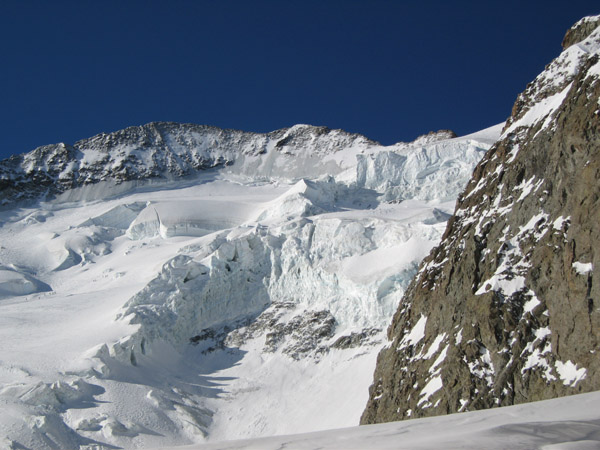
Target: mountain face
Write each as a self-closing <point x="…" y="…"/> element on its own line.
<point x="505" y="309"/>
<point x="160" y="152"/>
<point x="155" y="151"/>
<point x="172" y="284"/>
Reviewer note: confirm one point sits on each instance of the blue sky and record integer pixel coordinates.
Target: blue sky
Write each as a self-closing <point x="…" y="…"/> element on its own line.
<point x="391" y="70"/>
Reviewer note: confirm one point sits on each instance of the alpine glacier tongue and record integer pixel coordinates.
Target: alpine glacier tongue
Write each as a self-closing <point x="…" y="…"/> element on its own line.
<point x="179" y="283"/>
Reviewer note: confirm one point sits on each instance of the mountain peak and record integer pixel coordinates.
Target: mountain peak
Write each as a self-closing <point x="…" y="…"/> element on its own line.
<point x="546" y="92"/>
<point x="434" y="136"/>
<point x="580" y="31"/>
<point x="157" y="150"/>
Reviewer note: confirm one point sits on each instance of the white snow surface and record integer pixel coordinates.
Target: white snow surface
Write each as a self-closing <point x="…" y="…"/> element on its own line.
<point x="102" y="290"/>
<point x="569" y="373"/>
<point x="582" y="268"/>
<point x="417" y="333"/>
<point x="559" y="424"/>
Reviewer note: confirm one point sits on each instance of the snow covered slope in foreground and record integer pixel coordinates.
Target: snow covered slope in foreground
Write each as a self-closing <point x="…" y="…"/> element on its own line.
<point x="221" y="307"/>
<point x="566" y="423"/>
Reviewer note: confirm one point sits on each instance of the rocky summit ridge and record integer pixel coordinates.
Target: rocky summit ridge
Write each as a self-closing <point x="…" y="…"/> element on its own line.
<point x="170" y="151"/>
<point x="505" y="309"/>
<point x="158" y="150"/>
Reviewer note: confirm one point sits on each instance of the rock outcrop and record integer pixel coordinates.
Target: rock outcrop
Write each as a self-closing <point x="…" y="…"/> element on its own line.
<point x="580" y="31"/>
<point x="506" y="309"/>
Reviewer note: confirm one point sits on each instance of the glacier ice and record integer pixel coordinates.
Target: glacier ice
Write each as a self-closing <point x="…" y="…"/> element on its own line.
<point x="259" y="290"/>
<point x="14" y="282"/>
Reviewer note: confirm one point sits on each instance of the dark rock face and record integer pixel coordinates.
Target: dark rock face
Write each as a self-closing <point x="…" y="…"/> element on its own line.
<point x="506" y="309"/>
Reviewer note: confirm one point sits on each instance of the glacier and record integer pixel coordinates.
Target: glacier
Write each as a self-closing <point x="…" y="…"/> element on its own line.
<point x="248" y="299"/>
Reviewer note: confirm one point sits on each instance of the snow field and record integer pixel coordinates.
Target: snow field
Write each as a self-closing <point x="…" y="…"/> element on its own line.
<point x="566" y="423"/>
<point x="233" y="307"/>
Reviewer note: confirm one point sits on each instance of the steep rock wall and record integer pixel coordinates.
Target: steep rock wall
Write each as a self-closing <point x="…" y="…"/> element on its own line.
<point x="506" y="309"/>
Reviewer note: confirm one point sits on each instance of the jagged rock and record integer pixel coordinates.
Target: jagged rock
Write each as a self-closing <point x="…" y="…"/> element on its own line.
<point x="505" y="309"/>
<point x="435" y="136"/>
<point x="262" y="325"/>
<point x="355" y="339"/>
<point x="162" y="152"/>
<point x="207" y="333"/>
<point x="296" y="336"/>
<point x="299" y="336"/>
<point x="580" y="31"/>
<point x="306" y="332"/>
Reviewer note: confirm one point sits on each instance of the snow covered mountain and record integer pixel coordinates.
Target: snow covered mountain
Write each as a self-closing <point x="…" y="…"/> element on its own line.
<point x="172" y="284"/>
<point x="504" y="310"/>
<point x="168" y="151"/>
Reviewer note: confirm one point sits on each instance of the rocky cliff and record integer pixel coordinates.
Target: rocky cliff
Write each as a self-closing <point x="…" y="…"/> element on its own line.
<point x="506" y="309"/>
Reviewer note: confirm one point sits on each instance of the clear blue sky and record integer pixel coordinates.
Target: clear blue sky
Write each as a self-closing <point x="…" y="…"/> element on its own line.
<point x="390" y="70"/>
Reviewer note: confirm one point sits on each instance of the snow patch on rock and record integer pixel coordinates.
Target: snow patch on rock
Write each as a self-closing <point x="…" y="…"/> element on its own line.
<point x="568" y="372"/>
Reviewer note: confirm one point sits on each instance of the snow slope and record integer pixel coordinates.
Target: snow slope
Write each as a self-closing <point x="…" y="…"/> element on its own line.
<point x="566" y="423"/>
<point x="250" y="300"/>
